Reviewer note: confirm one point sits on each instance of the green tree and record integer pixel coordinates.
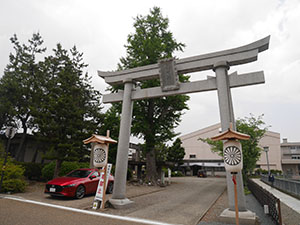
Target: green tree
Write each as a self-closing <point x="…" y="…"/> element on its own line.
<point x="17" y="86"/>
<point x="176" y="152"/>
<point x="111" y="122"/>
<point x="68" y="108"/>
<point x="154" y="120"/>
<point x="256" y="128"/>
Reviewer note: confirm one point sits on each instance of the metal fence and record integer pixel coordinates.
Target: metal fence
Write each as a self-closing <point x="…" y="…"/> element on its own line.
<point x="289" y="186"/>
<point x="265" y="198"/>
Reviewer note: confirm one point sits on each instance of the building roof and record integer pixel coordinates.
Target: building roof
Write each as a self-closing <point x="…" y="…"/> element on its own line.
<point x="290" y="144"/>
<point x="216" y="126"/>
<point x="99" y="139"/>
<point x="230" y="134"/>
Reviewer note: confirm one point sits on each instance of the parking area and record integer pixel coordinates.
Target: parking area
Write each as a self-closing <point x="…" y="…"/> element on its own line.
<point x="185" y="201"/>
<point x="35" y="191"/>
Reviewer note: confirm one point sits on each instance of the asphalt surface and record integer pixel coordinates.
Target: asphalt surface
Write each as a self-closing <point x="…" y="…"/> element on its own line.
<point x="185" y="201"/>
<point x="19" y="213"/>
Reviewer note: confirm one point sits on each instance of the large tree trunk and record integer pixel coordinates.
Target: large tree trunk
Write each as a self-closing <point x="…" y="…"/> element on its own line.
<point x="57" y="167"/>
<point x="151" y="172"/>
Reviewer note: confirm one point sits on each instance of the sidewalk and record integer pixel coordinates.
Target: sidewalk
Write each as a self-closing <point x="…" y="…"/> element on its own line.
<point x="291" y="202"/>
<point x="290" y="206"/>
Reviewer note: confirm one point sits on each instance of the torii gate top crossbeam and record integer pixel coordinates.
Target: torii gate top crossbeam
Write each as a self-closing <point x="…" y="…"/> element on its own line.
<point x="236" y="56"/>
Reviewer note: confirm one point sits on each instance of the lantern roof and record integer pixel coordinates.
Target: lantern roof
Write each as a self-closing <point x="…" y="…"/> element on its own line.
<point x="230" y="134"/>
<point x="99" y="139"/>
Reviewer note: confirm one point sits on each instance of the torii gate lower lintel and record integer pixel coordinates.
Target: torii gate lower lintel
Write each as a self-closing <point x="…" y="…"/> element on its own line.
<point x="167" y="71"/>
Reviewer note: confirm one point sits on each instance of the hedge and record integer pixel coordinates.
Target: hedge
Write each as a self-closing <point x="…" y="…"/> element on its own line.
<point x="66" y="167"/>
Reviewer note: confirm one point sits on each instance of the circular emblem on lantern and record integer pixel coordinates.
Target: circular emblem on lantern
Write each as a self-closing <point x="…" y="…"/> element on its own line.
<point x="100" y="155"/>
<point x="232" y="155"/>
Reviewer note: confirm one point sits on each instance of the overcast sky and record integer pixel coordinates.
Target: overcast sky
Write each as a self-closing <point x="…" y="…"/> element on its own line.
<point x="99" y="29"/>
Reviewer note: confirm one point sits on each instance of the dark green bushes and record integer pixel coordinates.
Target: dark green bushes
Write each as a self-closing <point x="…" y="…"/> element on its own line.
<point x="33" y="171"/>
<point x="13" y="179"/>
<point x="48" y="170"/>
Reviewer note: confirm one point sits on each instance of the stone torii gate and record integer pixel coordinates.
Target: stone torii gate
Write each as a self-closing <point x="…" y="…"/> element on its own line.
<point x="167" y="71"/>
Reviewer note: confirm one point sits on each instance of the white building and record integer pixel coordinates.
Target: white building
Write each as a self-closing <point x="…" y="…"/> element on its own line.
<point x="198" y="154"/>
<point x="290" y="158"/>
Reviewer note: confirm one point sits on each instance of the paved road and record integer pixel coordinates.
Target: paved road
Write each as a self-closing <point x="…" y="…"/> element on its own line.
<point x="14" y="212"/>
<point x="184" y="202"/>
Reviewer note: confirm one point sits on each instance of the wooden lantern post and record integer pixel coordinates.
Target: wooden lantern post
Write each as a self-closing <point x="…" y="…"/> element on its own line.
<point x="99" y="154"/>
<point x="233" y="157"/>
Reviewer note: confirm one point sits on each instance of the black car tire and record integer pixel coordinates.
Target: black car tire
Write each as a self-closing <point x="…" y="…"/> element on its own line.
<point x="110" y="188"/>
<point x="80" y="192"/>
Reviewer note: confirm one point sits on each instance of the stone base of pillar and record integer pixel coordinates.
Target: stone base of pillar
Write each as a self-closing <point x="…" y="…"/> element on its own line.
<point x="245" y="217"/>
<point x="120" y="203"/>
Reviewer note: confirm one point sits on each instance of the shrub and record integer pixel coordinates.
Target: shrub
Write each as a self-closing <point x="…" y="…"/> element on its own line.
<point x="48" y="171"/>
<point x="13" y="179"/>
<point x="33" y="171"/>
<point x="276" y="172"/>
<point x="13" y="185"/>
<point x="66" y="167"/>
<point x="177" y="174"/>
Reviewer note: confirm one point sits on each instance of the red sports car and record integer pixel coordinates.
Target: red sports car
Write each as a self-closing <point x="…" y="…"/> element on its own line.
<point x="77" y="184"/>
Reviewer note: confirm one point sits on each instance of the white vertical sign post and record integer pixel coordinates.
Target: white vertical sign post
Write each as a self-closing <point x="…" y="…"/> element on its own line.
<point x="102" y="186"/>
<point x="169" y="175"/>
<point x="99" y="154"/>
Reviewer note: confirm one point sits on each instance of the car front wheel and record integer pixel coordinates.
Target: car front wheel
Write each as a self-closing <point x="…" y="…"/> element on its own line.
<point x="80" y="192"/>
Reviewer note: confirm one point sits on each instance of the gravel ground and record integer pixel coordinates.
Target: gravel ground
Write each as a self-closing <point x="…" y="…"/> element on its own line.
<point x="212" y="216"/>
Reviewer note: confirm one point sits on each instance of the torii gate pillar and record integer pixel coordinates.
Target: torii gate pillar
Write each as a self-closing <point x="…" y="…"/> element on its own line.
<point x="227" y="117"/>
<point x="118" y="198"/>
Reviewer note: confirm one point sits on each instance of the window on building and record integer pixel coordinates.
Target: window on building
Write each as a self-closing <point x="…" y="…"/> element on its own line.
<point x="192" y="156"/>
<point x="295" y="156"/>
<point x="293" y="151"/>
<point x="293" y="147"/>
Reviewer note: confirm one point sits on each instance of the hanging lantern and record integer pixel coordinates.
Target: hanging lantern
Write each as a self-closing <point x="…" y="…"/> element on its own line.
<point x="100" y="149"/>
<point x="233" y="156"/>
<point x="100" y="155"/>
<point x="232" y="149"/>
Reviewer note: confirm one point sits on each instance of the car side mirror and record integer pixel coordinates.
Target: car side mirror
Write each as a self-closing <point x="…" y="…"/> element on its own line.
<point x="92" y="177"/>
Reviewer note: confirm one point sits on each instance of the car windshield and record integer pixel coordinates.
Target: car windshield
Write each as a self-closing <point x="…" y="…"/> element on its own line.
<point x="79" y="173"/>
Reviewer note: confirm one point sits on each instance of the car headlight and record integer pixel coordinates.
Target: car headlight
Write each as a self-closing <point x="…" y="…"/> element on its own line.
<point x="70" y="185"/>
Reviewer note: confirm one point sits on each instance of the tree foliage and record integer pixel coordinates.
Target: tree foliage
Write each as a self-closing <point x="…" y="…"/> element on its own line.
<point x="154" y="120"/>
<point x="17" y="86"/>
<point x="256" y="128"/>
<point x="111" y="122"/>
<point x="68" y="109"/>
<point x="176" y="152"/>
<point x="52" y="97"/>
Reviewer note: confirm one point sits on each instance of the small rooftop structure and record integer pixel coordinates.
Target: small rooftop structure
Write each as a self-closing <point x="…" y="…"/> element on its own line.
<point x="99" y="139"/>
<point x="230" y="134"/>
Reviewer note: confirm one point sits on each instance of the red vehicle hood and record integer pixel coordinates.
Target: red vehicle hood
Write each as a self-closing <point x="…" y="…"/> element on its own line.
<point x="65" y="180"/>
